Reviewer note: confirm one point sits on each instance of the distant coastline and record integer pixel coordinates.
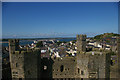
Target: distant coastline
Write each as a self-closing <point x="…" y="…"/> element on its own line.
<point x="4" y="42"/>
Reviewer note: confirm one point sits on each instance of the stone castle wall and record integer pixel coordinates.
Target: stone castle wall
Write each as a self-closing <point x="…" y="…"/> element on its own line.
<point x="28" y="64"/>
<point x="64" y="67"/>
<point x="24" y="63"/>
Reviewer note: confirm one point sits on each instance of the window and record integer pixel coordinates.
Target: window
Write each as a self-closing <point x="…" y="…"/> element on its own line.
<point x="61" y="68"/>
<point x="45" y="67"/>
<point x="78" y="70"/>
<point x="68" y="68"/>
<point x="16" y="64"/>
<point x="81" y="78"/>
<point x="29" y="72"/>
<point x="82" y="73"/>
<point x="15" y="72"/>
<point x="20" y="78"/>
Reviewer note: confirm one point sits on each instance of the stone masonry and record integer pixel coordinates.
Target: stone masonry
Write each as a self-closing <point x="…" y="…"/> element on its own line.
<point x="26" y="63"/>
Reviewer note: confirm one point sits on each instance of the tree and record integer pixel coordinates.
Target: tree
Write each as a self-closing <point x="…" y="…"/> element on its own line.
<point x="58" y="43"/>
<point x="73" y="41"/>
<point x="39" y="44"/>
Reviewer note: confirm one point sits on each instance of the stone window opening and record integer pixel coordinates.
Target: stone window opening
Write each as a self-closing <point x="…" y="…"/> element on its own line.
<point x="16" y="64"/>
<point x="61" y="68"/>
<point x="45" y="67"/>
<point x="81" y="78"/>
<point x="61" y="79"/>
<point x="82" y="72"/>
<point x="15" y="72"/>
<point x="78" y="71"/>
<point x="29" y="72"/>
<point x="68" y="68"/>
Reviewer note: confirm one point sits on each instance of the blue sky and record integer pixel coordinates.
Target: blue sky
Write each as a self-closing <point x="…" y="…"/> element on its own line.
<point x="58" y="19"/>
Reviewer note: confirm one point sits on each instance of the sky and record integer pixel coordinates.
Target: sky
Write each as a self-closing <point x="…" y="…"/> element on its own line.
<point x="58" y="19"/>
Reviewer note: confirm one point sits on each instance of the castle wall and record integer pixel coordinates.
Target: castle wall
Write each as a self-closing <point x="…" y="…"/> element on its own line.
<point x="17" y="64"/>
<point x="32" y="64"/>
<point x="91" y="64"/>
<point x="82" y="65"/>
<point x="46" y="68"/>
<point x="28" y="63"/>
<point x="94" y="66"/>
<point x="97" y="66"/>
<point x="25" y="64"/>
<point x="64" y="68"/>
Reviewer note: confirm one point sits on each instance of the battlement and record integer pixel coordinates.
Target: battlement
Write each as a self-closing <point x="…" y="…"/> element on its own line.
<point x="66" y="59"/>
<point x="29" y="51"/>
<point x="81" y="43"/>
<point x="13" y="45"/>
<point x="13" y="41"/>
<point x="81" y="35"/>
<point x="96" y="53"/>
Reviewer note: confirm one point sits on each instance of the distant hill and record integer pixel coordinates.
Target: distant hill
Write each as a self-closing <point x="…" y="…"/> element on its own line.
<point x="106" y="35"/>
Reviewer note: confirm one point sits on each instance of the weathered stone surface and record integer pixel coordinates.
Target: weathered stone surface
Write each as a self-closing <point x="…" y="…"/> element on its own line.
<point x="28" y="63"/>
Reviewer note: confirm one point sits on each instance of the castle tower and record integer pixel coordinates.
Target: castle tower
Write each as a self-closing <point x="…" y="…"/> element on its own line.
<point x="25" y="64"/>
<point x="92" y="64"/>
<point x="81" y="43"/>
<point x="13" y="45"/>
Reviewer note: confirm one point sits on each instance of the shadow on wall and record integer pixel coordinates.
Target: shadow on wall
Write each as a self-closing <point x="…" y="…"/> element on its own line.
<point x="46" y="68"/>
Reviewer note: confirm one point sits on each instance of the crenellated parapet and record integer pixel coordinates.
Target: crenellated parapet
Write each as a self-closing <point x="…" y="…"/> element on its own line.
<point x="81" y="43"/>
<point x="13" y="45"/>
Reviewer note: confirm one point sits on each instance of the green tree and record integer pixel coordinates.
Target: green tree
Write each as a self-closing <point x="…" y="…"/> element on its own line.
<point x="58" y="43"/>
<point x="39" y="44"/>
